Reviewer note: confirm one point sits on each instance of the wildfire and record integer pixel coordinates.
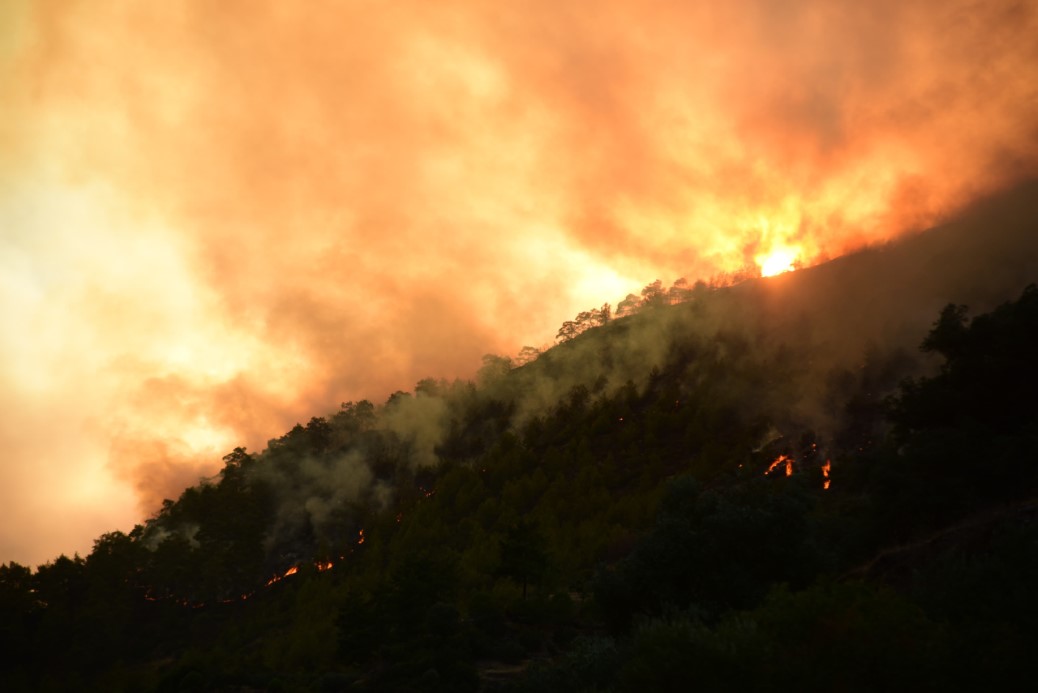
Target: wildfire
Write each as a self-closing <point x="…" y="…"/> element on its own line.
<point x="780" y="460"/>
<point x="321" y="566"/>
<point x="787" y="461"/>
<point x="278" y="578"/>
<point x="778" y="261"/>
<point x="360" y="537"/>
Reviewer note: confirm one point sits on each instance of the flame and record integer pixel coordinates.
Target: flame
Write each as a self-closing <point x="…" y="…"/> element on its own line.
<point x="277" y="578"/>
<point x="779" y="260"/>
<point x="825" y="473"/>
<point x="838" y="141"/>
<point x="321" y="566"/>
<point x="779" y="460"/>
<point x="360" y="537"/>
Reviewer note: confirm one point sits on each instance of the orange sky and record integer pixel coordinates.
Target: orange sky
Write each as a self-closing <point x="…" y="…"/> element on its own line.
<point x="218" y="219"/>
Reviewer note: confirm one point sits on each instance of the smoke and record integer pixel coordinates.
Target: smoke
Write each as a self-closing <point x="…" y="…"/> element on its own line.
<point x="862" y="315"/>
<point x="314" y="494"/>
<point x="419" y="422"/>
<point x="789" y="352"/>
<point x="218" y="220"/>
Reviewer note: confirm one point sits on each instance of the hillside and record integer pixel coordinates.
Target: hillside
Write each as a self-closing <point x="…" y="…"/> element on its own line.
<point x="765" y="486"/>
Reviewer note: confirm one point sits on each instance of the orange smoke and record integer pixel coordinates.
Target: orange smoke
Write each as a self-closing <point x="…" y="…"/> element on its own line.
<point x="222" y="218"/>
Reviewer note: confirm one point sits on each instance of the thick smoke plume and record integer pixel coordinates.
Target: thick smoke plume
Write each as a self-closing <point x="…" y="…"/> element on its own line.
<point x="799" y="354"/>
<point x="219" y="219"/>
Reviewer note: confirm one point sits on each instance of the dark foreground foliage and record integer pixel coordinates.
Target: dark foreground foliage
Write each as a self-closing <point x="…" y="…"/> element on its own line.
<point x="613" y="535"/>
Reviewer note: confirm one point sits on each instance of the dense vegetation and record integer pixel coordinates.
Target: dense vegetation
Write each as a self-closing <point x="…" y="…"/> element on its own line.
<point x="654" y="504"/>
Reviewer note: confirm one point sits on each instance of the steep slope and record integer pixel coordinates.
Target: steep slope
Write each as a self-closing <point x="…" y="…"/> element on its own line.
<point x="635" y="474"/>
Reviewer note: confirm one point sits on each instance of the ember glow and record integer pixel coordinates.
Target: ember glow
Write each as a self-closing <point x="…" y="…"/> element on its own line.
<point x="219" y="219"/>
<point x="278" y="578"/>
<point x="782" y="460"/>
<point x="319" y="565"/>
<point x="825" y="473"/>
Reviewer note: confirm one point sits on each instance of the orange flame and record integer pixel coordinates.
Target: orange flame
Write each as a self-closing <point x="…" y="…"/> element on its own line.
<point x="360" y="537"/>
<point x="825" y="473"/>
<point x="779" y="460"/>
<point x="780" y="260"/>
<point x="277" y="578"/>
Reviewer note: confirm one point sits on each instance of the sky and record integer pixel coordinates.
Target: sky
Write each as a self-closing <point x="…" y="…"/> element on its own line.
<point x="220" y="219"/>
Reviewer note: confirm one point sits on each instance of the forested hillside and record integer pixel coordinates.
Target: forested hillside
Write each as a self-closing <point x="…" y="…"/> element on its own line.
<point x="763" y="486"/>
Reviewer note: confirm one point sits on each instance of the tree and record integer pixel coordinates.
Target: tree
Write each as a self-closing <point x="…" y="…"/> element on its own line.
<point x="235" y="465"/>
<point x="715" y="550"/>
<point x="653" y="295"/>
<point x="18" y="605"/>
<point x="523" y="558"/>
<point x="319" y="434"/>
<point x="430" y="387"/>
<point x="681" y="291"/>
<point x="494" y="368"/>
<point x="527" y="354"/>
<point x="585" y="320"/>
<point x="949" y="333"/>
<point x="966" y="436"/>
<point x="628" y="306"/>
<point x="568" y="331"/>
<point x="397" y="398"/>
<point x="989" y="375"/>
<point x="354" y="417"/>
<point x="61" y="584"/>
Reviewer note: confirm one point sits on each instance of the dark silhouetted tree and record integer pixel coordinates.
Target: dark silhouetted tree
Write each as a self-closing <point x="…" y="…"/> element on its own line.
<point x="523" y="558"/>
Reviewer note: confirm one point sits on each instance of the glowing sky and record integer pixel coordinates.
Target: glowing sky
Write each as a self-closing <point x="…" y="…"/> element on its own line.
<point x="220" y="218"/>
